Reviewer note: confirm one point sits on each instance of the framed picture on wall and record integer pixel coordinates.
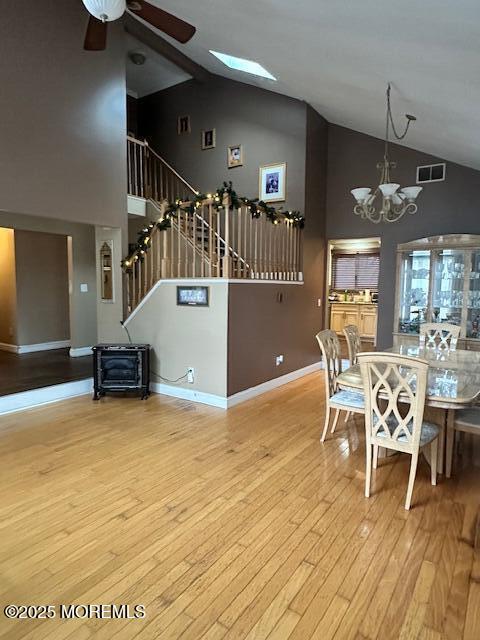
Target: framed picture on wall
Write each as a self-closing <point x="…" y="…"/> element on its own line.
<point x="273" y="182"/>
<point x="183" y="125"/>
<point x="209" y="139"/>
<point x="235" y="156"/>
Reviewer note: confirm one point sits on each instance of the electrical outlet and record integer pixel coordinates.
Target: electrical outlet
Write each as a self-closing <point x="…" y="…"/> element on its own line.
<point x="191" y="375"/>
<point x="319" y="302"/>
<point x="279" y="360"/>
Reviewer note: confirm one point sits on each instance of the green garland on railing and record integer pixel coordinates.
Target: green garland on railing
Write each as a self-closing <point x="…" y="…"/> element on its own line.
<point x="256" y="207"/>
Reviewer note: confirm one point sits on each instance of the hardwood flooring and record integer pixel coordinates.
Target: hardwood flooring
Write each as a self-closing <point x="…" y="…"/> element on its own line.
<point x="230" y="525"/>
<point x="22" y="372"/>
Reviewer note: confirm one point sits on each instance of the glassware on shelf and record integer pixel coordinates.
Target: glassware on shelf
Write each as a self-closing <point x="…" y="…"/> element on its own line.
<point x="415" y="277"/>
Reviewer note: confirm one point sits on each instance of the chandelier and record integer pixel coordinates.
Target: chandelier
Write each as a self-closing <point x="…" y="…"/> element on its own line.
<point x="395" y="201"/>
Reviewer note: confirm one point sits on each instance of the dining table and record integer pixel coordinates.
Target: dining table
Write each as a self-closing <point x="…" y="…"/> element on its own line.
<point x="453" y="383"/>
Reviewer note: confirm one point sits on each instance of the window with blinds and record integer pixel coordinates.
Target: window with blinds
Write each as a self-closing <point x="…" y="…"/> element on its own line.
<point x="355" y="270"/>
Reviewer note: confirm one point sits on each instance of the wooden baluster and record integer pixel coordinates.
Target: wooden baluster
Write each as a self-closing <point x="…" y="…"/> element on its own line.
<point x="153" y="254"/>
<point x="239" y="243"/>
<point x="179" y="251"/>
<point x="194" y="244"/>
<point x="300" y="251"/>
<point x="210" y="239"/>
<point x="202" y="240"/>
<point x="246" y="240"/>
<point x="186" y="235"/>
<point x="171" y="252"/>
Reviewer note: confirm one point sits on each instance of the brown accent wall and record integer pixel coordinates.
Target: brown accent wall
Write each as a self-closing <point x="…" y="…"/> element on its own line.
<point x="62" y="115"/>
<point x="443" y="207"/>
<point x="42" y="287"/>
<point x="271" y="127"/>
<point x="267" y="320"/>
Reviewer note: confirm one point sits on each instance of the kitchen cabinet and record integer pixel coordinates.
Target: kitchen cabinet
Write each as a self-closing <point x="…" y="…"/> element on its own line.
<point x="362" y="315"/>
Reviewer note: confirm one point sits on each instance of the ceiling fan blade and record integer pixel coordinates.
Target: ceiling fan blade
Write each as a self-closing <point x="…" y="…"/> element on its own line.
<point x="96" y="36"/>
<point x="166" y="22"/>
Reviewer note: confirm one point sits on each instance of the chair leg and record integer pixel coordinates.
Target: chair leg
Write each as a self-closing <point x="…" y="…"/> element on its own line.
<point x="434" y="460"/>
<point x="335" y="420"/>
<point x="411" y="479"/>
<point x="449" y="454"/>
<point x="347" y="416"/>
<point x="327" y="421"/>
<point x="368" y="471"/>
<point x="375" y="455"/>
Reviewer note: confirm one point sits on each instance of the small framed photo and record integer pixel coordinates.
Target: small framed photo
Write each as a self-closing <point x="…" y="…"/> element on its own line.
<point x="208" y="139"/>
<point x="183" y="125"/>
<point x="273" y="182"/>
<point x="193" y="296"/>
<point x="235" y="156"/>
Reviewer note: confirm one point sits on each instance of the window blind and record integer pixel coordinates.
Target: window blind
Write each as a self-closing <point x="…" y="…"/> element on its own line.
<point x="355" y="270"/>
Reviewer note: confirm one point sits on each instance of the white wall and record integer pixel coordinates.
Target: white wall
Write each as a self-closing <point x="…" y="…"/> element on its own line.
<point x="183" y="337"/>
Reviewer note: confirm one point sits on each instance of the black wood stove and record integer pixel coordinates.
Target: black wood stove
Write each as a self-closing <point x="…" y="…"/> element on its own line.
<point x="121" y="367"/>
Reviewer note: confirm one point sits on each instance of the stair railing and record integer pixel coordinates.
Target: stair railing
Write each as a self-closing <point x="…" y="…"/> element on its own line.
<point x="215" y="242"/>
<point x="150" y="176"/>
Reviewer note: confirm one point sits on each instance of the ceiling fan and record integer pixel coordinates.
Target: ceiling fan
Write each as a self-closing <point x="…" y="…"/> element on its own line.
<point x="104" y="11"/>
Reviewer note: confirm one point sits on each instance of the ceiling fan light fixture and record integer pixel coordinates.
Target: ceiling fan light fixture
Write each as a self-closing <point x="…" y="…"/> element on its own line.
<point x="106" y="10"/>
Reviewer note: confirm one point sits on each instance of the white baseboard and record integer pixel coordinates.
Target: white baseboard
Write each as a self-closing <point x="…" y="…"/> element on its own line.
<point x="4" y="346"/>
<point x="46" y="395"/>
<point x="77" y="352"/>
<point x="237" y="398"/>
<point x="189" y="394"/>
<point x="242" y="396"/>
<point x="43" y="346"/>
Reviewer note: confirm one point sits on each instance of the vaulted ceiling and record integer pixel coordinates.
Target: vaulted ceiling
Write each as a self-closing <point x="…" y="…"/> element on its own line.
<point x="339" y="56"/>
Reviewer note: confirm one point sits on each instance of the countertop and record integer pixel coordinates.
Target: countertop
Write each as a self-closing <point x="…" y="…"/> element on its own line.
<point x="347" y="302"/>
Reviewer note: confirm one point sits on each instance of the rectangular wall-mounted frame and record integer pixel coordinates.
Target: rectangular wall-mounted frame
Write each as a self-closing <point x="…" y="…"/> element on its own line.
<point x="107" y="285"/>
<point x="193" y="296"/>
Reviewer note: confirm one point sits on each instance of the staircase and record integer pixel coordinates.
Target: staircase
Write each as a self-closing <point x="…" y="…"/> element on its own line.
<point x="209" y="242"/>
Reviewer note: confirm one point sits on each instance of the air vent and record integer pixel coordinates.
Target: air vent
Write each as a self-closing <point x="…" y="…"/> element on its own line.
<point x="431" y="173"/>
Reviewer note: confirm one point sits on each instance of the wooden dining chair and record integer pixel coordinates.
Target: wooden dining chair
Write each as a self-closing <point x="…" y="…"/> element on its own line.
<point x="340" y="400"/>
<point x="354" y="343"/>
<point x="436" y="335"/>
<point x="396" y="385"/>
<point x="354" y="346"/>
<point x="465" y="421"/>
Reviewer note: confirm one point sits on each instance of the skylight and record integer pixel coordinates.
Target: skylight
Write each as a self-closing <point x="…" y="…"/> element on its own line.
<point x="240" y="64"/>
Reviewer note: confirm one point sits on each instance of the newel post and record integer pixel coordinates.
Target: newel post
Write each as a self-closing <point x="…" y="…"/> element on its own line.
<point x="165" y="256"/>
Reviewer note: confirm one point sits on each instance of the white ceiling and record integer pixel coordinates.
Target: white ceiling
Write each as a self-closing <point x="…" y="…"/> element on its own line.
<point x="339" y="55"/>
<point x="156" y="74"/>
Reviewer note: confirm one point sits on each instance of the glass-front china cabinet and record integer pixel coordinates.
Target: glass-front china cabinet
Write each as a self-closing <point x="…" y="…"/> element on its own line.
<point x="438" y="280"/>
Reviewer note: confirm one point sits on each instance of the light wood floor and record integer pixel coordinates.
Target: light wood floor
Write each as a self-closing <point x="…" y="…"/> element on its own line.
<point x="235" y="524"/>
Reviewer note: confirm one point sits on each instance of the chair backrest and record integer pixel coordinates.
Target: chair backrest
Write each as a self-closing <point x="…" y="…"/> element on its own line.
<point x="332" y="361"/>
<point x="439" y="335"/>
<point x="393" y="382"/>
<point x="354" y="344"/>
